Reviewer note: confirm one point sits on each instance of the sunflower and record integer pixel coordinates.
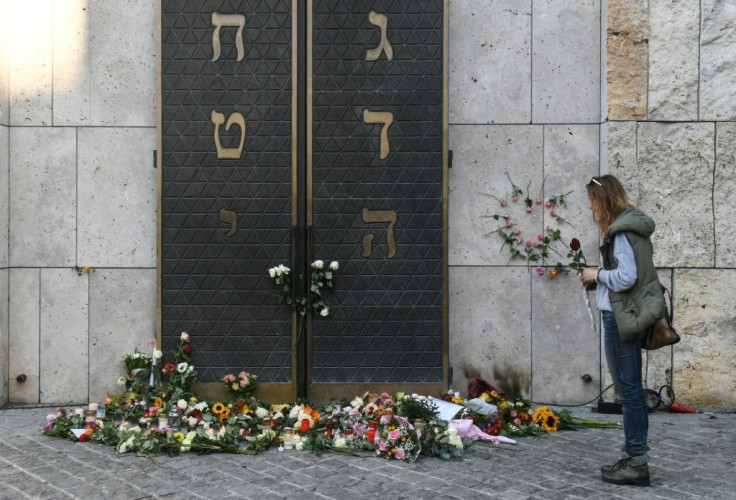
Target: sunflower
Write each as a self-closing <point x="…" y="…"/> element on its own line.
<point x="218" y="408"/>
<point x="550" y="422"/>
<point x="224" y="414"/>
<point x="539" y="414"/>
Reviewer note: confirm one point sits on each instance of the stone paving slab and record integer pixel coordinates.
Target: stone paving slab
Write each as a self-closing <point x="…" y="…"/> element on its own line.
<point x="693" y="457"/>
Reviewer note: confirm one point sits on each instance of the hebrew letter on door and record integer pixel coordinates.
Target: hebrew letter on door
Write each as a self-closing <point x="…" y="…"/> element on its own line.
<point x="220" y="20"/>
<point x="386" y="118"/>
<point x="381" y="21"/>
<point x="376" y="217"/>
<point x="237" y="119"/>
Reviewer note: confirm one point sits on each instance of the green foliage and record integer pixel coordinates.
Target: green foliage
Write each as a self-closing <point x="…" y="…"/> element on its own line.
<point x="413" y="409"/>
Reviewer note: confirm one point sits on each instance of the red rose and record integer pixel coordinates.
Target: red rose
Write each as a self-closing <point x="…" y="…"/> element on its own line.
<point x="187" y="349"/>
<point x="168" y="368"/>
<point x="575" y="244"/>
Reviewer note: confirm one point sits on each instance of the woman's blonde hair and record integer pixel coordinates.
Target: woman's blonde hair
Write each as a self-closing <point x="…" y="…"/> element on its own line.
<point x="609" y="197"/>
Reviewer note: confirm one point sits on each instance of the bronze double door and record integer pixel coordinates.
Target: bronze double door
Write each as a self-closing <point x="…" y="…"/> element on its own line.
<point x="292" y="131"/>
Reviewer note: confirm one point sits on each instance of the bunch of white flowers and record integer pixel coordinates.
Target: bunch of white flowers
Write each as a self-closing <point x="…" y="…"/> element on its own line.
<point x="279" y="273"/>
<point x="453" y="438"/>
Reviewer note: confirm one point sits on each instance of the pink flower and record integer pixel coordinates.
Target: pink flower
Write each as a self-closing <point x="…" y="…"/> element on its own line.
<point x="228" y="378"/>
<point x="536" y="244"/>
<point x="540" y="270"/>
<point x="528" y="210"/>
<point x="540" y="237"/>
<point x="382" y="446"/>
<point x="518" y="232"/>
<point x="548" y="204"/>
<point x="399" y="453"/>
<point x="504" y="203"/>
<point x="395" y="434"/>
<point x="515" y="199"/>
<point x="520" y="240"/>
<point x="549" y="228"/>
<point x="506" y="216"/>
<point x="184" y="336"/>
<point x="510" y="224"/>
<point x="539" y="201"/>
<point x="553" y="213"/>
<point x="528" y="243"/>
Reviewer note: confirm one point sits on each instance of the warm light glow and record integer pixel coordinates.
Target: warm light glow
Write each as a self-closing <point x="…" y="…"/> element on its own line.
<point x="46" y="45"/>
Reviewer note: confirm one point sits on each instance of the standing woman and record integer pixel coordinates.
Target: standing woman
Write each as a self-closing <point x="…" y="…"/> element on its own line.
<point x="630" y="299"/>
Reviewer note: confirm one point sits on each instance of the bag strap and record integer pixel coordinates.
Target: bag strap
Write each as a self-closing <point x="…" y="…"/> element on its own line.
<point x="671" y="313"/>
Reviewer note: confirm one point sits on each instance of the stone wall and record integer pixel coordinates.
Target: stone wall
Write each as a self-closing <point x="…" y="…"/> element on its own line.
<point x="524" y="100"/>
<point x="81" y="141"/>
<point x="537" y="89"/>
<point x="676" y="154"/>
<point x="4" y="192"/>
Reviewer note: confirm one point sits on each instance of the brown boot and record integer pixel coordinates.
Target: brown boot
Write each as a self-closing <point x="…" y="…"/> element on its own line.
<point x="624" y="473"/>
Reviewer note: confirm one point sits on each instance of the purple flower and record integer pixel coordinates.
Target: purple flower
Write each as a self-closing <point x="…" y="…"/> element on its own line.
<point x="540" y="270"/>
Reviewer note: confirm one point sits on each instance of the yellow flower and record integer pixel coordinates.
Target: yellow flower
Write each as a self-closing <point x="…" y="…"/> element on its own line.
<point x="540" y="414"/>
<point x="131" y="397"/>
<point x="224" y="414"/>
<point x="550" y="422"/>
<point x="158" y="403"/>
<point x="485" y="397"/>
<point x="458" y="400"/>
<point x="218" y="408"/>
<point x="502" y="405"/>
<point x="193" y="399"/>
<point x="247" y="410"/>
<point x="179" y="436"/>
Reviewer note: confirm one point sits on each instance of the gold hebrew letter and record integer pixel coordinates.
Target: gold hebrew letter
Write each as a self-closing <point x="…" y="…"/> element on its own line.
<point x="385" y="117"/>
<point x="236" y="118"/>
<point x="379" y="216"/>
<point x="220" y="20"/>
<point x="381" y="21"/>
<point x="229" y="217"/>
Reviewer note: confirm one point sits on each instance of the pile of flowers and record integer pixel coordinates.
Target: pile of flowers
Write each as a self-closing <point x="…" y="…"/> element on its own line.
<point x="515" y="417"/>
<point x="165" y="417"/>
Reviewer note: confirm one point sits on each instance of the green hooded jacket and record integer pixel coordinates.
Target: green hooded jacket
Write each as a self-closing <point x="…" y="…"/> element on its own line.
<point x="639" y="307"/>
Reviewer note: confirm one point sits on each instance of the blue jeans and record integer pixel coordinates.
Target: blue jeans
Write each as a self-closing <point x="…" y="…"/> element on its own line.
<point x="624" y="363"/>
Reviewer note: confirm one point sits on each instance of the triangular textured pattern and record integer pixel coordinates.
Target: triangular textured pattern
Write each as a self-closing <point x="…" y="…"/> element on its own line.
<point x="385" y="323"/>
<point x="214" y="287"/>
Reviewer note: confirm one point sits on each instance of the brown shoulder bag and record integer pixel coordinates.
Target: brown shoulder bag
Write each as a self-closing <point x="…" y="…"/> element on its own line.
<point x="661" y="334"/>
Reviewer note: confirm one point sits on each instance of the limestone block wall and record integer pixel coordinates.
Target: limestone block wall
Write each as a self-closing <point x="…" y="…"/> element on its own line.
<point x="77" y="135"/>
<point x="671" y="139"/>
<point x="525" y="99"/>
<point x="550" y="91"/>
<point x="4" y="192"/>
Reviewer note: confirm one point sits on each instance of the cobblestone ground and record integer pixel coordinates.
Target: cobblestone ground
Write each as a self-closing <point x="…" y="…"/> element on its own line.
<point x="693" y="456"/>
